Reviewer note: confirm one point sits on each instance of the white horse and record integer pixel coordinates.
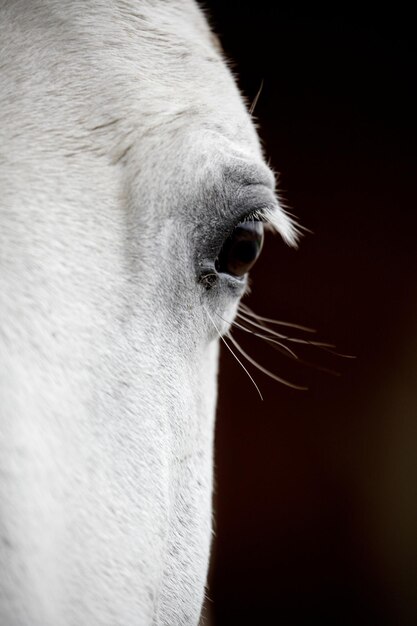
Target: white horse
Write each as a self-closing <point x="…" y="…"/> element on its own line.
<point x="132" y="194"/>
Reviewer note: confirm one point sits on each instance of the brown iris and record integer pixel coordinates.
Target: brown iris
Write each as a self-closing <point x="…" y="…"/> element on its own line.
<point x="241" y="250"/>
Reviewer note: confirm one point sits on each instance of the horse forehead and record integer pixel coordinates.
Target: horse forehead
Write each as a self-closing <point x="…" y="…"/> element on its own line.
<point x="157" y="63"/>
<point x="122" y="73"/>
<point x="173" y="71"/>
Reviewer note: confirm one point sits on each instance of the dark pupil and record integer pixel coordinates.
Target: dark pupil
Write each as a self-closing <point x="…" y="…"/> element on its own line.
<point x="241" y="249"/>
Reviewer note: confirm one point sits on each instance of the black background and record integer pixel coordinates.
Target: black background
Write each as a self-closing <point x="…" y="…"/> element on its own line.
<point x="316" y="492"/>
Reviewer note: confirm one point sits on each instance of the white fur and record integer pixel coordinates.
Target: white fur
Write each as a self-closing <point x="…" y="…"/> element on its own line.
<point x="118" y="121"/>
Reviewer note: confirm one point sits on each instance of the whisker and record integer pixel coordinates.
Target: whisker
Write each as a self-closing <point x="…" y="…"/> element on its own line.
<point x="255" y="101"/>
<point x="261" y="326"/>
<point x="272" y="321"/>
<point x="249" y="321"/>
<point x="235" y="356"/>
<point x="320" y="368"/>
<point x="280" y="346"/>
<point x="307" y="342"/>
<point x="263" y="369"/>
<point x="276" y="344"/>
<point x="273" y="343"/>
<point x="344" y="356"/>
<point x="327" y="347"/>
<point x="319" y="344"/>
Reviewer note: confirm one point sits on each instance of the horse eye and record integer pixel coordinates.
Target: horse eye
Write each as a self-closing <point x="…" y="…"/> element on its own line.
<point x="241" y="250"/>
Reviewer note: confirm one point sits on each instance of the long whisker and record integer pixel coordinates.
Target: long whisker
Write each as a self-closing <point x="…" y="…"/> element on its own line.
<point x="263" y="327"/>
<point x="263" y="369"/>
<point x="276" y="344"/>
<point x="236" y="357"/>
<point x="344" y="356"/>
<point x="255" y="101"/>
<point x="273" y="343"/>
<point x="272" y="321"/>
<point x="280" y="346"/>
<point x="307" y="342"/>
<point x="319" y="368"/>
<point x="260" y="326"/>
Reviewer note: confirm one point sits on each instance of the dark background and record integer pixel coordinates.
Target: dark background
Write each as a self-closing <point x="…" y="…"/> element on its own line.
<point x="316" y="496"/>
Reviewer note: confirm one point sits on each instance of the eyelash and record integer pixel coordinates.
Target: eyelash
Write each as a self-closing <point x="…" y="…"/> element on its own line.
<point x="257" y="215"/>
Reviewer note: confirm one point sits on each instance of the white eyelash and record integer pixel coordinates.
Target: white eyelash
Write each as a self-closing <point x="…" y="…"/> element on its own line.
<point x="283" y="223"/>
<point x="279" y="221"/>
